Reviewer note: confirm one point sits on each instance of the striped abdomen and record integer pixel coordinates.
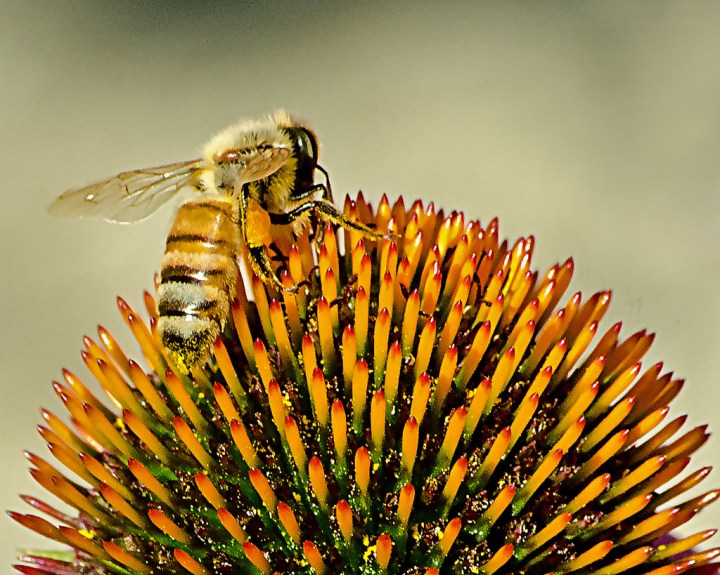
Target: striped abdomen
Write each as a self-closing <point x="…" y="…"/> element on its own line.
<point x="198" y="278"/>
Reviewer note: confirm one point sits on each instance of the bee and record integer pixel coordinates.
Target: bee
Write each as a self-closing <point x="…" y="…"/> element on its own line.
<point x="252" y="176"/>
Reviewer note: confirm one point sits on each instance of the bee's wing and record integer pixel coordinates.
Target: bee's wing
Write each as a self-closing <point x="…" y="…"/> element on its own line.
<point x="261" y="163"/>
<point x="129" y="196"/>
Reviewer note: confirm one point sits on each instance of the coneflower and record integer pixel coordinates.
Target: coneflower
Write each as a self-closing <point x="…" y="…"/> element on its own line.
<point x="424" y="405"/>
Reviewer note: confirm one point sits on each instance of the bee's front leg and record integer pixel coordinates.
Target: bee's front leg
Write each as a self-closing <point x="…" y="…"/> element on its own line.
<point x="329" y="212"/>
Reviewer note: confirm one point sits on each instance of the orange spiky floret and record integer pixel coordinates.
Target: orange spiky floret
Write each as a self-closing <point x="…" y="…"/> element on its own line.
<point x="425" y="404"/>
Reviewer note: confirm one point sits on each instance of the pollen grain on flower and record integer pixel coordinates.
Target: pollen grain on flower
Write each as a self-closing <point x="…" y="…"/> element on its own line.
<point x="425" y="404"/>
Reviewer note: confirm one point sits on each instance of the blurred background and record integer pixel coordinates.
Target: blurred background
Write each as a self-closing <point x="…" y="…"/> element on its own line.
<point x="593" y="126"/>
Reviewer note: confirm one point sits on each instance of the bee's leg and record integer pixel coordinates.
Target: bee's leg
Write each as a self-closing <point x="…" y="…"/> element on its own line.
<point x="326" y="195"/>
<point x="311" y="191"/>
<point x="287" y="218"/>
<point x="327" y="191"/>
<point x="329" y="212"/>
<point x="277" y="255"/>
<point x="308" y="195"/>
<point x="261" y="265"/>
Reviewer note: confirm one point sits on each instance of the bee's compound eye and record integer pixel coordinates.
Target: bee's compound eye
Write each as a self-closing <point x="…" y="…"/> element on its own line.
<point x="312" y="144"/>
<point x="304" y="141"/>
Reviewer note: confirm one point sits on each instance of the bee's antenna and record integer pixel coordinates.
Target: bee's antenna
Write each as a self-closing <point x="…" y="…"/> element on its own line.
<point x="328" y="188"/>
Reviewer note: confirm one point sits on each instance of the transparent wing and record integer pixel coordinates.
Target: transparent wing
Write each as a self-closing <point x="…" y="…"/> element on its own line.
<point x="260" y="163"/>
<point x="129" y="196"/>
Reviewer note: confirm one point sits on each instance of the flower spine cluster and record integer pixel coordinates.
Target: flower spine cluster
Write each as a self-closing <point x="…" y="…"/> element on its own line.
<point x="426" y="405"/>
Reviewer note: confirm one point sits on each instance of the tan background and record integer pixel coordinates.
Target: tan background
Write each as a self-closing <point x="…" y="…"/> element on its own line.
<point x="594" y="126"/>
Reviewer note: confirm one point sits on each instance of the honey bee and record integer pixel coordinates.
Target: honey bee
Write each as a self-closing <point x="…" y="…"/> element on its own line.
<point x="253" y="175"/>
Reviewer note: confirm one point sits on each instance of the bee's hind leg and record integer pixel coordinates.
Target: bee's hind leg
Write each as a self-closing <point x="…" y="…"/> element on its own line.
<point x="261" y="265"/>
